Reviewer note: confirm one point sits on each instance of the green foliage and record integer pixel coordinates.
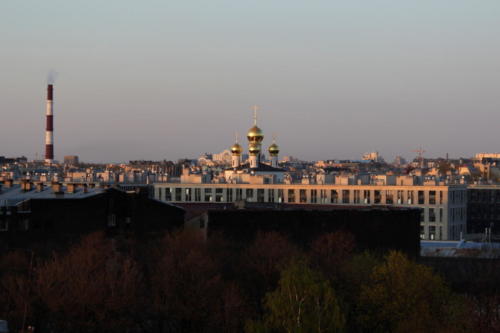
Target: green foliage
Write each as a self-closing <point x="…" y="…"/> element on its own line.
<point x="407" y="297"/>
<point x="184" y="284"/>
<point x="303" y="302"/>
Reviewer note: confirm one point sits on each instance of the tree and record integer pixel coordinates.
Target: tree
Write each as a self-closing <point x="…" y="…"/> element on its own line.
<point x="186" y="285"/>
<point x="330" y="251"/>
<point x="16" y="288"/>
<point x="403" y="296"/>
<point x="303" y="302"/>
<point x="92" y="288"/>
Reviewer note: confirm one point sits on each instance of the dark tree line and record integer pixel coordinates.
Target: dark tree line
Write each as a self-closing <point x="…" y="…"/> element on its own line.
<point x="182" y="283"/>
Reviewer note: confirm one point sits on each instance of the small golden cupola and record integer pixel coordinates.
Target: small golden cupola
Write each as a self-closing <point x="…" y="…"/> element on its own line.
<point x="254" y="149"/>
<point x="236" y="149"/>
<point x="273" y="149"/>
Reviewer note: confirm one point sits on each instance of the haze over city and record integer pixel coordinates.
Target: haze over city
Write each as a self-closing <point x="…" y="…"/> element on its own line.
<point x="154" y="80"/>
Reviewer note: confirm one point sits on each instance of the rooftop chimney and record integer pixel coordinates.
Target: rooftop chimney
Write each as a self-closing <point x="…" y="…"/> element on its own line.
<point x="39" y="187"/>
<point x="70" y="187"/>
<point x="26" y="185"/>
<point x="57" y="188"/>
<point x="49" y="129"/>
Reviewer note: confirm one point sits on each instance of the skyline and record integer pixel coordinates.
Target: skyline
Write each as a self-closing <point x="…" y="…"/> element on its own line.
<point x="175" y="80"/>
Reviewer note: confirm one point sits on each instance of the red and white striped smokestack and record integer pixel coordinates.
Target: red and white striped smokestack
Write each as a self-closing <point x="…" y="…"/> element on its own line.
<point x="49" y="129"/>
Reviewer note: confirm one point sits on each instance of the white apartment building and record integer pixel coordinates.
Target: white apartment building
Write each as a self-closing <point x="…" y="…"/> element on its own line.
<point x="443" y="206"/>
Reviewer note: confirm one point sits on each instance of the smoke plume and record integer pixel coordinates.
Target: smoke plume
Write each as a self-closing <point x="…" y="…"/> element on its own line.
<point x="52" y="76"/>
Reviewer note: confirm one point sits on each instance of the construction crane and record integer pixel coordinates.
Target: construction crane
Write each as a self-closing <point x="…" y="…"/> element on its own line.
<point x="420" y="152"/>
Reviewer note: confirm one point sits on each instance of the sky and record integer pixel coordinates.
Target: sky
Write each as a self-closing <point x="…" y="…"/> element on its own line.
<point x="172" y="79"/>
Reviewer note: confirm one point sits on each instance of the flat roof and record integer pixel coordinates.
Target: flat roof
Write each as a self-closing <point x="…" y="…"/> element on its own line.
<point x="10" y="196"/>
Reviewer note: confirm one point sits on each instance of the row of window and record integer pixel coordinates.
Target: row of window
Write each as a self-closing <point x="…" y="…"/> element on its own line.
<point x="484" y="196"/>
<point x="436" y="232"/>
<point x="433" y="215"/>
<point x="388" y="197"/>
<point x="432" y="233"/>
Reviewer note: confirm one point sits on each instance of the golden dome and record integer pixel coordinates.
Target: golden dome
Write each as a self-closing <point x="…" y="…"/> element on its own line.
<point x="255" y="134"/>
<point x="254" y="148"/>
<point x="236" y="149"/>
<point x="274" y="149"/>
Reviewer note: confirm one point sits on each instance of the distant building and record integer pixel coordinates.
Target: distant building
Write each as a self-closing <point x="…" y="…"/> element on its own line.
<point x="443" y="207"/>
<point x="399" y="160"/>
<point x="222" y="157"/>
<point x="494" y="156"/>
<point x="12" y="160"/>
<point x="71" y="160"/>
<point x="372" y="156"/>
<point x="37" y="212"/>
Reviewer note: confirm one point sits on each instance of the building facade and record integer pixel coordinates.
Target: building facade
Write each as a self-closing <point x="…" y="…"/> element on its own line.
<point x="443" y="214"/>
<point x="483" y="208"/>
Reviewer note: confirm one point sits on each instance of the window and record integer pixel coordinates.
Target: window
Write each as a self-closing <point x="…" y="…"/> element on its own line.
<point x="432" y="232"/>
<point x="432" y="215"/>
<point x="168" y="194"/>
<point x="440" y="215"/>
<point x="440" y="233"/>
<point x="323" y="196"/>
<point x="432" y="197"/>
<point x="345" y="196"/>
<point x="208" y="195"/>
<point x="178" y="194"/>
<point x="400" y="197"/>
<point x="280" y="196"/>
<point x="422" y="232"/>
<point x="197" y="194"/>
<point x="229" y="195"/>
<point x="260" y="195"/>
<point x="270" y="194"/>
<point x="334" y="196"/>
<point x="420" y="197"/>
<point x="366" y="196"/>
<point x="239" y="194"/>
<point x="314" y="196"/>
<point x="291" y="195"/>
<point x="219" y="195"/>
<point x="4" y="225"/>
<point x="410" y="197"/>
<point x="377" y="197"/>
<point x="111" y="220"/>
<point x="440" y="197"/>
<point x="389" y="197"/>
<point x="188" y="192"/>
<point x="357" y="196"/>
<point x="303" y="196"/>
<point x="422" y="215"/>
<point x="249" y="194"/>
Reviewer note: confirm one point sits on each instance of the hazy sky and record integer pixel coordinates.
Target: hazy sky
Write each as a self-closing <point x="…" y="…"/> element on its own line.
<point x="171" y="79"/>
